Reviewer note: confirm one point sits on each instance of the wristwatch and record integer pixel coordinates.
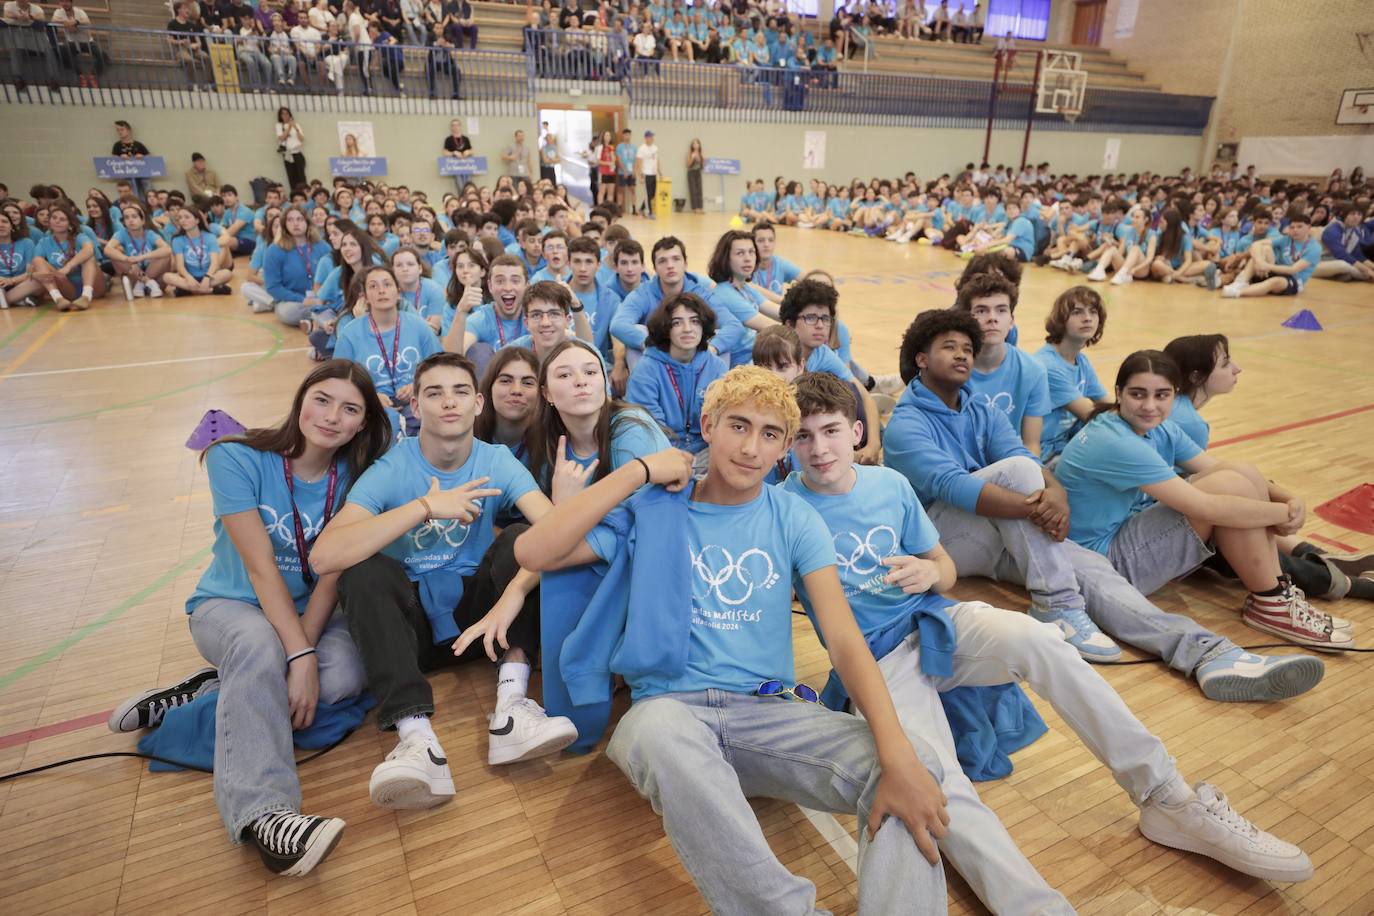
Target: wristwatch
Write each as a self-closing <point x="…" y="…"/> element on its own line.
<point x="579" y="309"/>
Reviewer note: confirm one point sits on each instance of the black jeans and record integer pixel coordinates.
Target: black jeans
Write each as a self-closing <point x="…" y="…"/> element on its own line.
<point x="393" y="636"/>
<point x="650" y="189"/>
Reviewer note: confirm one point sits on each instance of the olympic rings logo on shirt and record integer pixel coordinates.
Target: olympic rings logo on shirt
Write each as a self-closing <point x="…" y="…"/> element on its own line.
<point x="754" y="569"/>
<point x="406" y="360"/>
<point x="879" y="542"/>
<point x="431" y="533"/>
<point x="281" y="529"/>
<point x="1002" y="401"/>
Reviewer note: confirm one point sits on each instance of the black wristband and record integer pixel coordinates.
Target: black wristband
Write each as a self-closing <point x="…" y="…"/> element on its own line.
<point x="647" y="476"/>
<point x="579" y="310"/>
<point x="301" y="654"/>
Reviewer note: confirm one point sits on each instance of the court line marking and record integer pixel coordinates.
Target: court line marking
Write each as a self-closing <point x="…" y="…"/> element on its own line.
<point x="34" y="347"/>
<point x="151" y="362"/>
<point x="1340" y="545"/>
<point x="1299" y="424"/>
<point x="40" y="732"/>
<point x="276" y="348"/>
<point x="845" y="846"/>
<point x="55" y="651"/>
<point x="42" y="310"/>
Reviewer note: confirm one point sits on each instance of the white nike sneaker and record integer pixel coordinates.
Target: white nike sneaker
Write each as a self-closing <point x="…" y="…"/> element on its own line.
<point x="414" y="775"/>
<point x="154" y="290"/>
<point x="522" y="730"/>
<point x="1207" y="824"/>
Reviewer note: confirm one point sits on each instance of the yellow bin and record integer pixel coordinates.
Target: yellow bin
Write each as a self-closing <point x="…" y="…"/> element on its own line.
<point x="663" y="197"/>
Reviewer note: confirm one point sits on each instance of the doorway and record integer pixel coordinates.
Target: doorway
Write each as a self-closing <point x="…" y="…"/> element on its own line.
<point x="1088" y="16"/>
<point x="573" y="129"/>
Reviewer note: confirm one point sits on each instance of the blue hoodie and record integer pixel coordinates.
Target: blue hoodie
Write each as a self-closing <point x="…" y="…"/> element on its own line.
<point x="674" y="392"/>
<point x="938" y="449"/>
<point x="628" y="324"/>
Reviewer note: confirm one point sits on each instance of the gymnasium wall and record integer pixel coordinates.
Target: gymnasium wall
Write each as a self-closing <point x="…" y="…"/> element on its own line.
<point x="56" y="145"/>
<point x="1288" y="61"/>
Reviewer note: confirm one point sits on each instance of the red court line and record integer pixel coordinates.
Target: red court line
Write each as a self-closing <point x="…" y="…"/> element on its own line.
<point x="1339" y="545"/>
<point x="57" y="728"/>
<point x="1273" y="430"/>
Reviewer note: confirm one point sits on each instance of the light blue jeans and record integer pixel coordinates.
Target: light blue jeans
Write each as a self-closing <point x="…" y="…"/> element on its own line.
<point x="1064" y="575"/>
<point x="255" y="764"/>
<point x="1001" y="647"/>
<point x="699" y="756"/>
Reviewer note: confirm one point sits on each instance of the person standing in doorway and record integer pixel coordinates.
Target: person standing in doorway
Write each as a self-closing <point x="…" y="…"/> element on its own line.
<point x="517" y="158"/>
<point x="548" y="158"/>
<point x="696" y="161"/>
<point x="290" y="143"/>
<point x="646" y="164"/>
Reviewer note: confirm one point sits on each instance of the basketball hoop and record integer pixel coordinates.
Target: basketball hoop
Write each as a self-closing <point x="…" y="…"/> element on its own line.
<point x="1069" y="114"/>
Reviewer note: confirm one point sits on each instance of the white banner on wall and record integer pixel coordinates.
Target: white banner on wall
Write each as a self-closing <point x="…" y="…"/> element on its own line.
<point x="1307" y="156"/>
<point x="813" y="150"/>
<point x="1125" y="18"/>
<point x="1112" y="154"/>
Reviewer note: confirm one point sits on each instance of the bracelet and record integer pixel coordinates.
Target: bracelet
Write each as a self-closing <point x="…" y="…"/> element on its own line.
<point x="647" y="476"/>
<point x="579" y="310"/>
<point x="429" y="510"/>
<point x="301" y="654"/>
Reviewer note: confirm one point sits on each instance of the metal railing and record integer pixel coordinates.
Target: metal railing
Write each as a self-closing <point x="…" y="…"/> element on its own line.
<point x="115" y="66"/>
<point x="223" y="70"/>
<point x="558" y="57"/>
<point x="733" y="93"/>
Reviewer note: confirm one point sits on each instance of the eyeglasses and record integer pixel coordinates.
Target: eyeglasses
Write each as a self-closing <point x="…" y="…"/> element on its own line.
<point x="812" y="320"/>
<point x="542" y="316"/>
<point x="797" y="692"/>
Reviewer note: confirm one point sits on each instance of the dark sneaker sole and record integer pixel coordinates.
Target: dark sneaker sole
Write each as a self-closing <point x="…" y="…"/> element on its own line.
<point x="1294" y="677"/>
<point x="321" y="845"/>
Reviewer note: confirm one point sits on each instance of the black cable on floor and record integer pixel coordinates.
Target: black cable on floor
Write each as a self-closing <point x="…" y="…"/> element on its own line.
<point x="177" y="763"/>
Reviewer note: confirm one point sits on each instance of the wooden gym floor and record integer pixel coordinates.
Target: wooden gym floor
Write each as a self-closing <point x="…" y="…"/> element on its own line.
<point x="105" y="528"/>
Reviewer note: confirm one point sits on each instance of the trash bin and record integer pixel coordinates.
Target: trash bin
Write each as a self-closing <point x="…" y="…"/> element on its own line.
<point x="663" y="196"/>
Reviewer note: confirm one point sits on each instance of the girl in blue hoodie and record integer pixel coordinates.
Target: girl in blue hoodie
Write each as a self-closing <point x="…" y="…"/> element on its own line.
<point x="671" y="380"/>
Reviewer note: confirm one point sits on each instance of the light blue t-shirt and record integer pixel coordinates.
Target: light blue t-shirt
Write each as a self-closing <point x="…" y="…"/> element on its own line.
<point x="1067" y="383"/>
<point x="198" y="253"/>
<point x="625" y="157"/>
<point x="745" y="561"/>
<point x="484" y="324"/>
<point x="1185" y="416"/>
<point x="879" y="517"/>
<point x="358" y="343"/>
<point x="744" y="305"/>
<point x="15" y="257"/>
<point x="1022" y="237"/>
<point x="57" y="254"/>
<point x="426" y="300"/>
<point x="1017" y="387"/>
<point x="243" y="479"/>
<point x="140" y="247"/>
<point x="634" y="434"/>
<point x="437" y="554"/>
<point x="246" y="232"/>
<point x="824" y="359"/>
<point x="1104" y="467"/>
<point x="1288" y="252"/>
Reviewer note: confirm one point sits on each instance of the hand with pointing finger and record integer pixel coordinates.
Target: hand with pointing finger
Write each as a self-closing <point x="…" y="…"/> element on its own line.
<point x="462" y="502"/>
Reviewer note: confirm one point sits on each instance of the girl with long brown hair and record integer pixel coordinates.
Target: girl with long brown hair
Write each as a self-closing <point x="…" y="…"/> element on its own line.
<point x="265" y="621"/>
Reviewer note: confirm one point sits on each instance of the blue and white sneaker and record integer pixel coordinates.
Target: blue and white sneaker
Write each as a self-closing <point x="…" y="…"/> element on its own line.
<point x="1237" y="676"/>
<point x="1081" y="633"/>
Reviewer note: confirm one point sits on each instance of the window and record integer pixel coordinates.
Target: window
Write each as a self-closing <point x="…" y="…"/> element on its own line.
<point x="1023" y="18"/>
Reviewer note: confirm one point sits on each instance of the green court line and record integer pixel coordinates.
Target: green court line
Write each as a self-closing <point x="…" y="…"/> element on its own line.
<point x="277" y="341"/>
<point x="54" y="652"/>
<point x="42" y="310"/>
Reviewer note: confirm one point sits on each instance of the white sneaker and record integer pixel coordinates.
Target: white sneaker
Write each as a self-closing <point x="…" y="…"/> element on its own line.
<point x="414" y="775"/>
<point x="1230" y="292"/>
<point x="1207" y="824"/>
<point x="1099" y="273"/>
<point x="1075" y="264"/>
<point x="522" y="730"/>
<point x="154" y="290"/>
<point x="1122" y="278"/>
<point x="890" y="383"/>
<point x="140" y="290"/>
<point x="128" y="289"/>
<point x="1060" y="263"/>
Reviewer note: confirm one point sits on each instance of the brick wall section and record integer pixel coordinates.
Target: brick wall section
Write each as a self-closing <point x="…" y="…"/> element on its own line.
<point x="1292" y="59"/>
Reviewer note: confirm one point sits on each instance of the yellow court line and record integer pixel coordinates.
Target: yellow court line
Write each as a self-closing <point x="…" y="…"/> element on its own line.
<point x="34" y="347"/>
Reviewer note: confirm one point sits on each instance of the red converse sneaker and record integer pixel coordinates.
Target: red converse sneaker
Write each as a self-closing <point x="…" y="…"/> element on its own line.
<point x="1289" y="616"/>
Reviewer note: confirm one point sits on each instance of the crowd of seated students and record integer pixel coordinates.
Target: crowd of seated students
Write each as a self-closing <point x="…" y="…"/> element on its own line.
<point x="511" y="392"/>
<point x="1229" y="230"/>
